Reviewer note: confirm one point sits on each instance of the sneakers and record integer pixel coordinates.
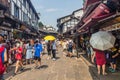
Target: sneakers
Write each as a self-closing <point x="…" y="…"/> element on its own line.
<point x="37" y="67"/>
<point x="22" y="69"/>
<point x="112" y="70"/>
<point x="54" y="59"/>
<point x="14" y="74"/>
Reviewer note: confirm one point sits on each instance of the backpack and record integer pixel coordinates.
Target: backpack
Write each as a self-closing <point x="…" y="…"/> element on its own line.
<point x="2" y="68"/>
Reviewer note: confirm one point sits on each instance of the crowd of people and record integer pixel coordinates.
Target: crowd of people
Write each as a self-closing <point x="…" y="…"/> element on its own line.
<point x="102" y="58"/>
<point x="21" y="52"/>
<point x="69" y="48"/>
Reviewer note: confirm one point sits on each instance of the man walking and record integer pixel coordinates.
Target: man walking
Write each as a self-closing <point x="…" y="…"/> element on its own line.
<point x="54" y="50"/>
<point x="37" y="55"/>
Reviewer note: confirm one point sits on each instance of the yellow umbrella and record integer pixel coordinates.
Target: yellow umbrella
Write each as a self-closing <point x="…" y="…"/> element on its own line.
<point x="49" y="37"/>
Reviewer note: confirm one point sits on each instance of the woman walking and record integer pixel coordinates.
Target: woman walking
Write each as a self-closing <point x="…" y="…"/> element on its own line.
<point x="100" y="61"/>
<point x="29" y="52"/>
<point x="18" y="56"/>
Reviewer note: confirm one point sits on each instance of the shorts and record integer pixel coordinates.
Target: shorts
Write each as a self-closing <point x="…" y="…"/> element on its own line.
<point x="49" y="52"/>
<point x="37" y="58"/>
<point x="70" y="50"/>
<point x="1" y="77"/>
<point x="113" y="60"/>
<point x="18" y="56"/>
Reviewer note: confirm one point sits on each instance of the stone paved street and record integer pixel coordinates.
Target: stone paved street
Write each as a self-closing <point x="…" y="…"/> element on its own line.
<point x="63" y="68"/>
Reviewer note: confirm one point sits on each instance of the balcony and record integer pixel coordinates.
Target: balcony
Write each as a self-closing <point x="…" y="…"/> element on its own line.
<point x="5" y="7"/>
<point x="4" y="3"/>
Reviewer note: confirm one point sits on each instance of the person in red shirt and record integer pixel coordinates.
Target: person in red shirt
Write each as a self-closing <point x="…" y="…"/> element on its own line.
<point x="100" y="60"/>
<point x="18" y="56"/>
<point x="3" y="58"/>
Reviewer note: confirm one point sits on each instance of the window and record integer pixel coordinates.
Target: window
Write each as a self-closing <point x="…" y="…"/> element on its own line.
<point x="24" y="3"/>
<point x="25" y="18"/>
<point x="16" y="11"/>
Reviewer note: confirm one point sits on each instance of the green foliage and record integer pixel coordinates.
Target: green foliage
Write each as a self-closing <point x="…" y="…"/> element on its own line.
<point x="41" y="25"/>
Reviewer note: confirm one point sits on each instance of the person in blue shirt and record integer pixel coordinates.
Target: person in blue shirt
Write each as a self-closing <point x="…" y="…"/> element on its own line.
<point x="37" y="54"/>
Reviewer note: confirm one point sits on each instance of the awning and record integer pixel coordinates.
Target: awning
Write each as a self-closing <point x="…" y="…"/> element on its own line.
<point x="89" y="2"/>
<point x="110" y="23"/>
<point x="99" y="11"/>
<point x="90" y="8"/>
<point x="93" y="21"/>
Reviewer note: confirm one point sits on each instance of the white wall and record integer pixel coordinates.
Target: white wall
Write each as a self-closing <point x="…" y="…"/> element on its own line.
<point x="12" y="8"/>
<point x="22" y="10"/>
<point x="78" y="13"/>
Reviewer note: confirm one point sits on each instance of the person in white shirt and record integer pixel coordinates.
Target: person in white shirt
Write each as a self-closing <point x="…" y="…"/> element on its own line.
<point x="64" y="48"/>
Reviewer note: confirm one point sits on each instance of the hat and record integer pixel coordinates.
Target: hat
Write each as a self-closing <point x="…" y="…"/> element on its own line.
<point x="1" y="35"/>
<point x="114" y="49"/>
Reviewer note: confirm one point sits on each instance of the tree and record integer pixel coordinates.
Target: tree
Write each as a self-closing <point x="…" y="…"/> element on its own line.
<point x="41" y="25"/>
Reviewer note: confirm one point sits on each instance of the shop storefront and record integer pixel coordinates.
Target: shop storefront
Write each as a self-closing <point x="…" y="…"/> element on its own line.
<point x="6" y="28"/>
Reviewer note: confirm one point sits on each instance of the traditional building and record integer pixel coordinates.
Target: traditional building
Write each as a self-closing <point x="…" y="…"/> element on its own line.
<point x="19" y="18"/>
<point x="60" y="21"/>
<point x="67" y="23"/>
<point x="48" y="30"/>
<point x="24" y="11"/>
<point x="99" y="15"/>
<point x="95" y="12"/>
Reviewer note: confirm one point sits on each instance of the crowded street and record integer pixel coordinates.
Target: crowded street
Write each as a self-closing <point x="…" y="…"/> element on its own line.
<point x="64" y="68"/>
<point x="59" y="39"/>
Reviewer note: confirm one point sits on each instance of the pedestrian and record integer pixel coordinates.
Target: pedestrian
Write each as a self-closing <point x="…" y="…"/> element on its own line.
<point x="113" y="59"/>
<point x="44" y="46"/>
<point x="49" y="49"/>
<point x="18" y="57"/>
<point x="7" y="46"/>
<point x="100" y="61"/>
<point x="64" y="47"/>
<point x="70" y="48"/>
<point x="29" y="52"/>
<point x="3" y="58"/>
<point x="37" y="54"/>
<point x="74" y="51"/>
<point x="54" y="50"/>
